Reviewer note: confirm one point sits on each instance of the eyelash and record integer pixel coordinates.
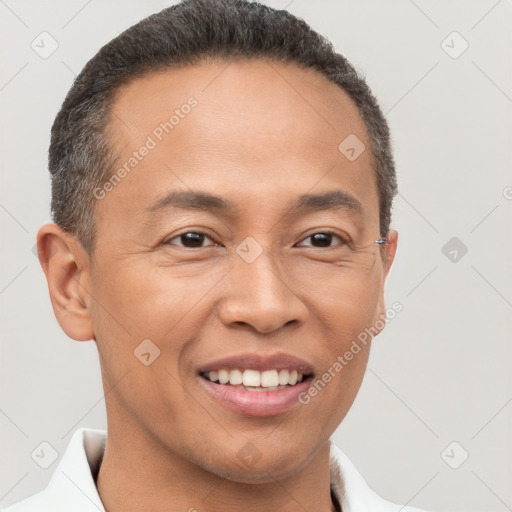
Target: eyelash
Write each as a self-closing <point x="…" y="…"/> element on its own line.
<point x="324" y="232"/>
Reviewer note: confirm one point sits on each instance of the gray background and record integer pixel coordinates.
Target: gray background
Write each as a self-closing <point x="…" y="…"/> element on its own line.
<point x="439" y="373"/>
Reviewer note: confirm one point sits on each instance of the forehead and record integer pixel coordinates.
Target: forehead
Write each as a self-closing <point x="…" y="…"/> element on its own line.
<point x="264" y="95"/>
<point x="254" y="128"/>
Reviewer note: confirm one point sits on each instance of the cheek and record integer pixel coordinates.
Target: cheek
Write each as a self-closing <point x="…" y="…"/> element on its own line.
<point x="147" y="300"/>
<point x="161" y="304"/>
<point x="344" y="311"/>
<point x="345" y="350"/>
<point x="345" y="304"/>
<point x="136" y="312"/>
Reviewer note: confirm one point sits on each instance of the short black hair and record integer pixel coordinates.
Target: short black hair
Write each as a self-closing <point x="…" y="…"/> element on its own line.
<point x="81" y="154"/>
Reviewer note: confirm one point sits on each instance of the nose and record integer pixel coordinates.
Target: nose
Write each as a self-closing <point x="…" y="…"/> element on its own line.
<point x="256" y="295"/>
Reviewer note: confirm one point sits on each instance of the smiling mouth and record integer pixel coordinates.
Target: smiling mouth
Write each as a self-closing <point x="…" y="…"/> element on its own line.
<point x="254" y="380"/>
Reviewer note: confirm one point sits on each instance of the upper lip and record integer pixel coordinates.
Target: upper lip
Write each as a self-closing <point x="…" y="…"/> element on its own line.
<point x="260" y="362"/>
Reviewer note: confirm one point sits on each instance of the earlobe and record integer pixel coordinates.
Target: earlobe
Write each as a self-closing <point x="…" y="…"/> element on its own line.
<point x="65" y="264"/>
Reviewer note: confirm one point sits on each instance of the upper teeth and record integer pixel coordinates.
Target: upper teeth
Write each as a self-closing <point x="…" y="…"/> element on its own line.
<point x="254" y="378"/>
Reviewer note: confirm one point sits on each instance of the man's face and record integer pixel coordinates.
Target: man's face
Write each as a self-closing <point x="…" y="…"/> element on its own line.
<point x="258" y="136"/>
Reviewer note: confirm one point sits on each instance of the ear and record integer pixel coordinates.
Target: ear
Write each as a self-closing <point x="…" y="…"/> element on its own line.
<point x="66" y="266"/>
<point x="388" y="258"/>
<point x="390" y="251"/>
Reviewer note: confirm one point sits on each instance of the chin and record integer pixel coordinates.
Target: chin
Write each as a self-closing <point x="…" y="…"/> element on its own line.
<point x="252" y="466"/>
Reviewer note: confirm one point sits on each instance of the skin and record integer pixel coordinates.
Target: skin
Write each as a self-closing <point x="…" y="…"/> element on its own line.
<point x="261" y="135"/>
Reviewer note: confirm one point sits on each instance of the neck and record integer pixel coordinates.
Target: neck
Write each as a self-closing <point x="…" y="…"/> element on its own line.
<point x="139" y="473"/>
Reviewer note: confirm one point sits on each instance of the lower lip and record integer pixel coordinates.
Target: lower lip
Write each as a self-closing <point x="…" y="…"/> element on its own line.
<point x="256" y="403"/>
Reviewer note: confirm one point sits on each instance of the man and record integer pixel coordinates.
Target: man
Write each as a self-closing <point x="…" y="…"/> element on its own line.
<point x="222" y="184"/>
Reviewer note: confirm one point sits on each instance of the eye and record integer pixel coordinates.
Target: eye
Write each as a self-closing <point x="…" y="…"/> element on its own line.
<point x="322" y="239"/>
<point x="190" y="240"/>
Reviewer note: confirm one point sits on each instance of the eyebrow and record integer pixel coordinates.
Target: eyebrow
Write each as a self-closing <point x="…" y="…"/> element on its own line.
<point x="307" y="203"/>
<point x="327" y="201"/>
<point x="191" y="200"/>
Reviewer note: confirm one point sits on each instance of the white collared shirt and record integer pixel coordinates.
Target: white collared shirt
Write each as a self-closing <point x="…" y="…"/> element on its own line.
<point x="72" y="487"/>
